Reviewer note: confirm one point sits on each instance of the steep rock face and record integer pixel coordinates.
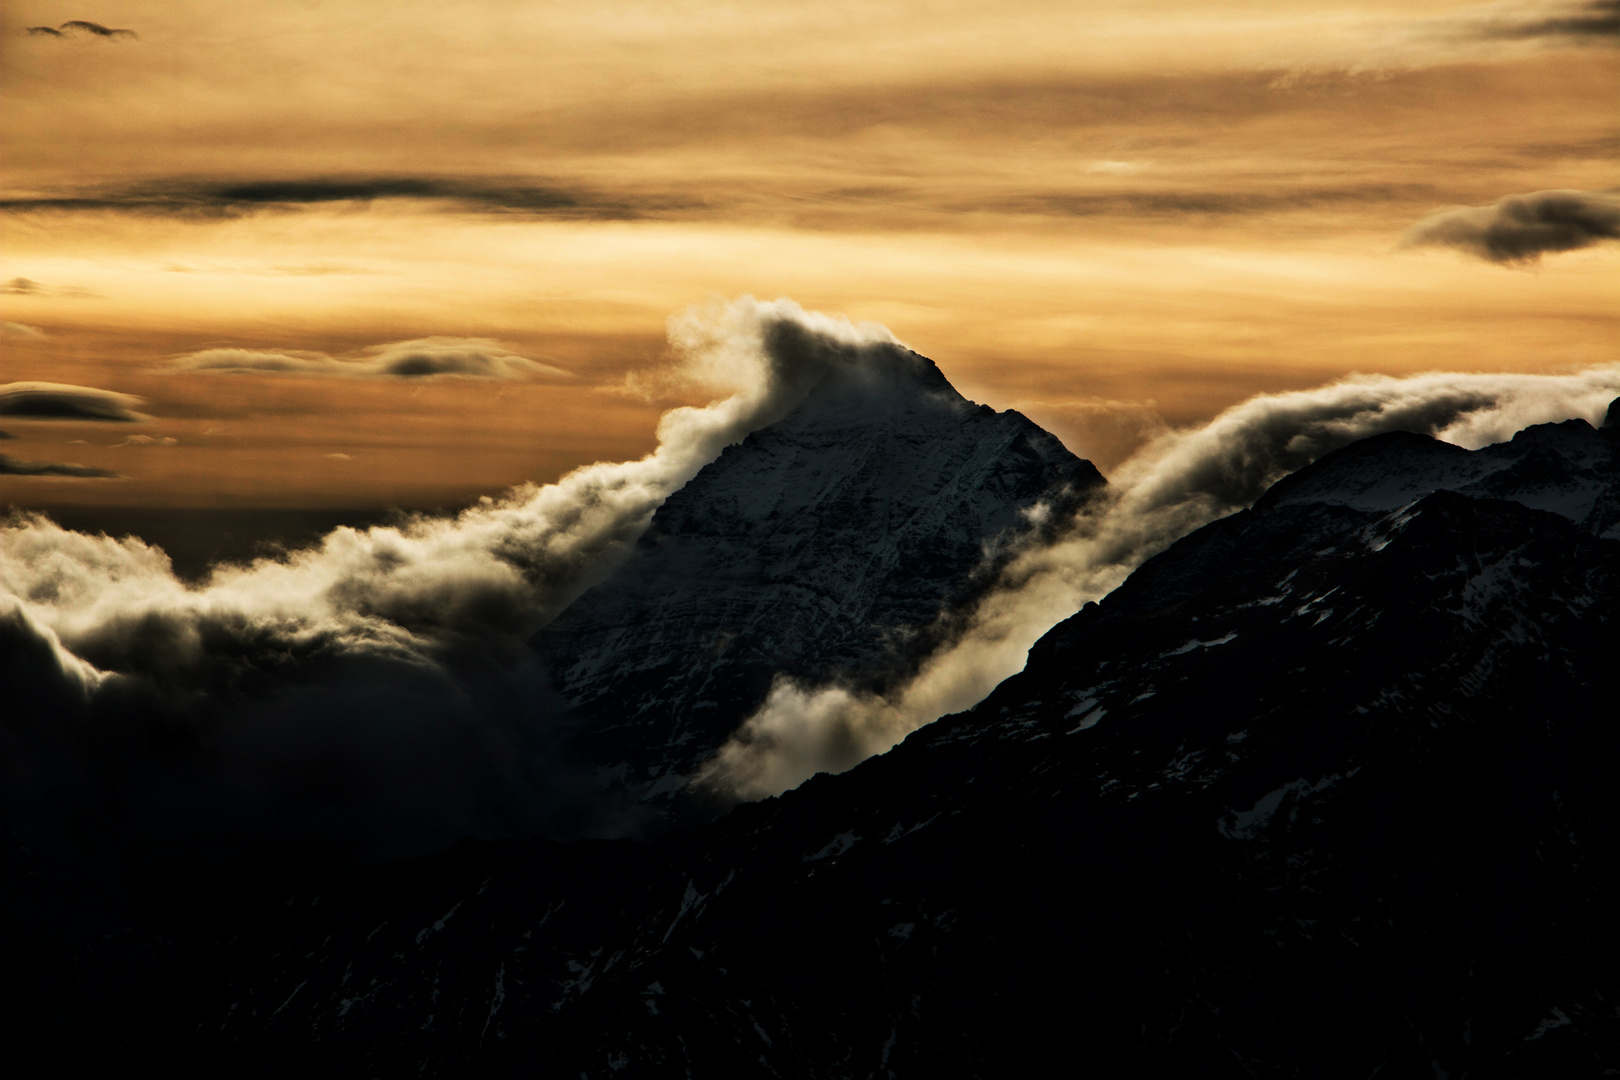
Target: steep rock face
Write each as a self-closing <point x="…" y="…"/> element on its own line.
<point x="824" y="546"/>
<point x="1319" y="791"/>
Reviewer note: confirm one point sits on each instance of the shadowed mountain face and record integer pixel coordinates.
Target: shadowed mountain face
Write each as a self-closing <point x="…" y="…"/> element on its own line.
<point x="826" y="546"/>
<point x="1324" y="789"/>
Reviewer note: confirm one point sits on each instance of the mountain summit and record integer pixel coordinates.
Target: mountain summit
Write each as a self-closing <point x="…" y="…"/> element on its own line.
<point x="826" y="546"/>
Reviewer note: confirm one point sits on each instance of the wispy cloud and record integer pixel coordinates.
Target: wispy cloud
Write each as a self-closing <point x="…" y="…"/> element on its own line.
<point x="58" y="401"/>
<point x="1522" y="228"/>
<point x="21" y="286"/>
<point x="21" y="330"/>
<point x="449" y="357"/>
<point x="1176" y="202"/>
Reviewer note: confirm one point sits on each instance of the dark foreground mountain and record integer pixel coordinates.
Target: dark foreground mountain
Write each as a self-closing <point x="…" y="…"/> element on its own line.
<point x="1326" y="789"/>
<point x="825" y="546"/>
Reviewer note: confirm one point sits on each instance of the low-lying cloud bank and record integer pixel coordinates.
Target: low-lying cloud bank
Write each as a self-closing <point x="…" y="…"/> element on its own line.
<point x="59" y="401"/>
<point x="1523" y="228"/>
<point x="422" y="358"/>
<point x="1177" y="483"/>
<point x="374" y="693"/>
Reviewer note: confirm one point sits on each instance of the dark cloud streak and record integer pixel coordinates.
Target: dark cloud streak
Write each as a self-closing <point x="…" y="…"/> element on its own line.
<point x="188" y="198"/>
<point x="58" y="401"/>
<point x="1522" y="228"/>
<point x="1597" y="21"/>
<point x="81" y="26"/>
<point x="10" y="466"/>
<point x="1184" y="202"/>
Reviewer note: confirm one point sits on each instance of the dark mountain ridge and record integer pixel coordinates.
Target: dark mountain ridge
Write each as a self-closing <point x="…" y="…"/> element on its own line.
<point x="1324" y="789"/>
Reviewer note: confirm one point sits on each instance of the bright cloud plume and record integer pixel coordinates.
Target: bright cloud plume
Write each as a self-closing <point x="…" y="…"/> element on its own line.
<point x="422" y="358"/>
<point x="377" y="689"/>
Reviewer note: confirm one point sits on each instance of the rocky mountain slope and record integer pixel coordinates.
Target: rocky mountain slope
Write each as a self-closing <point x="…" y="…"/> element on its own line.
<point x="1325" y="789"/>
<point x="826" y="546"/>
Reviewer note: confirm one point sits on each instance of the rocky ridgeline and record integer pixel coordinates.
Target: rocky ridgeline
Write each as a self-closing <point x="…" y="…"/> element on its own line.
<point x="1324" y="789"/>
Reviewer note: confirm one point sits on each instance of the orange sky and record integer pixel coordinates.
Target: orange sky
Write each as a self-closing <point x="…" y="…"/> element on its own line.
<point x="1111" y="216"/>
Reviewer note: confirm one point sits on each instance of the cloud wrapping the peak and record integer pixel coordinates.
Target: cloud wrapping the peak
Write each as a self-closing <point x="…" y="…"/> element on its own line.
<point x="59" y="401"/>
<point x="432" y="357"/>
<point x="376" y="690"/>
<point x="1523" y="228"/>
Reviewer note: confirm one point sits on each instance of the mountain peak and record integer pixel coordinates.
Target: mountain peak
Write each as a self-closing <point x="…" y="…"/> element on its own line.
<point x="1568" y="468"/>
<point x="823" y="547"/>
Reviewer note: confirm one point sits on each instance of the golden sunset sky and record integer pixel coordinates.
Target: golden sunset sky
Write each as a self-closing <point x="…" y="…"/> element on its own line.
<point x="1110" y="215"/>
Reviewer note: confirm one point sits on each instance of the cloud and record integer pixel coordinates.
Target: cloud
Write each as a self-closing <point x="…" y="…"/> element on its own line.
<point x="377" y="690"/>
<point x="149" y="440"/>
<point x="80" y="26"/>
<point x="1182" y="202"/>
<point x="191" y="198"/>
<point x="467" y="358"/>
<point x="1596" y="21"/>
<point x="57" y="401"/>
<point x="1522" y="228"/>
<point x="1178" y="482"/>
<point x="10" y="466"/>
<point x="1116" y="168"/>
<point x="21" y="286"/>
<point x="21" y="330"/>
<point x="6" y="435"/>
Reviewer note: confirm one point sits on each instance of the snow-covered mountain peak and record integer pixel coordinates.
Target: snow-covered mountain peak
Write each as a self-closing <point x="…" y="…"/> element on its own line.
<point x="1568" y="468"/>
<point x="823" y="546"/>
